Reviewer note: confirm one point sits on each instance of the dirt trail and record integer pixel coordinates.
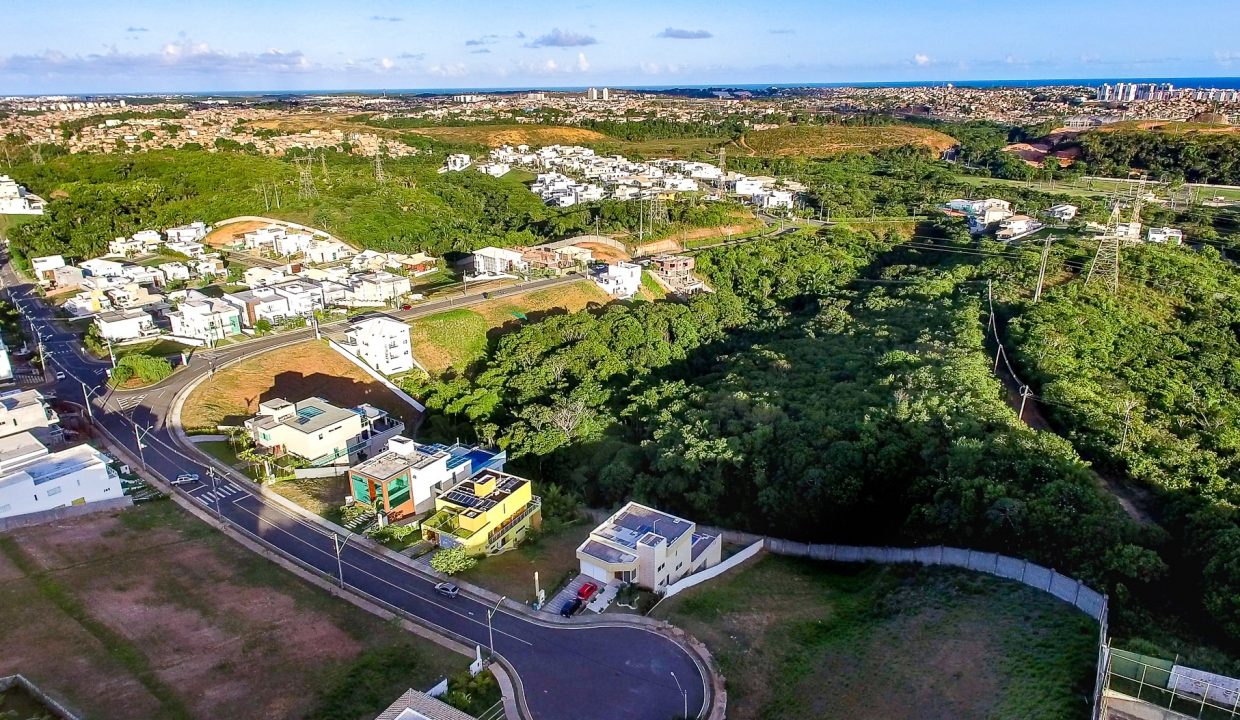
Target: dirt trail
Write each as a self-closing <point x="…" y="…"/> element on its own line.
<point x="1133" y="500"/>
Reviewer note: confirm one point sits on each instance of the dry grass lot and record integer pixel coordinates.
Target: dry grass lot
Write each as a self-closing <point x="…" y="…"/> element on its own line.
<point x="496" y="135"/>
<point x="293" y="373"/>
<point x="455" y="338"/>
<point x="822" y="140"/>
<point x="148" y="613"/>
<point x="800" y="639"/>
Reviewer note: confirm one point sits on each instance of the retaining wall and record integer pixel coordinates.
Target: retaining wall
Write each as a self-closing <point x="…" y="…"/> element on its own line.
<point x="64" y="513"/>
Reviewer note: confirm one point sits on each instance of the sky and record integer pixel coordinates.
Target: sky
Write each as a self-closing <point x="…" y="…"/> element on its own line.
<point x="108" y="46"/>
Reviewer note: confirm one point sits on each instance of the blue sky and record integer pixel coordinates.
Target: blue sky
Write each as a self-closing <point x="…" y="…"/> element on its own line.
<point x="80" y="46"/>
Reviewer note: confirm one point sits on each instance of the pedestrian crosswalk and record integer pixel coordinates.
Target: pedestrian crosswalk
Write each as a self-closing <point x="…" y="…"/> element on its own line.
<point x="130" y="401"/>
<point x="222" y="491"/>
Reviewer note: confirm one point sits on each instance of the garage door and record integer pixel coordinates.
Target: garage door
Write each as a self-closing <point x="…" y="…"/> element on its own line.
<point x="596" y="572"/>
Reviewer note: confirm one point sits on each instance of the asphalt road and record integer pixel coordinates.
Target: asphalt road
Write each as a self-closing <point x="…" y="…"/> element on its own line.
<point x="566" y="672"/>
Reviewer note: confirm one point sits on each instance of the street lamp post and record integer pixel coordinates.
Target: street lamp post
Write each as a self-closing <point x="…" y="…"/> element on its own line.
<point x="339" y="563"/>
<point x="138" y="434"/>
<point x="490" y="632"/>
<point x="683" y="694"/>
<point x="87" y="393"/>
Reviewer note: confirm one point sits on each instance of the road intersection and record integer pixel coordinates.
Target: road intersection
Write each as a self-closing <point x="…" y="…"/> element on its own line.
<point x="564" y="671"/>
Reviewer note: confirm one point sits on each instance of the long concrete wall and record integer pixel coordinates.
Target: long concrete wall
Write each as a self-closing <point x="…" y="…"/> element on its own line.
<point x="377" y="376"/>
<point x="712" y="572"/>
<point x="64" y="513"/>
<point x="600" y="239"/>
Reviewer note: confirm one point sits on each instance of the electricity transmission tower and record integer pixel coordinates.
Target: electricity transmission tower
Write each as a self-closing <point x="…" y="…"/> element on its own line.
<point x="36" y="154"/>
<point x="305" y="171"/>
<point x="658" y="210"/>
<point x="722" y="185"/>
<point x="1105" y="267"/>
<point x="380" y="177"/>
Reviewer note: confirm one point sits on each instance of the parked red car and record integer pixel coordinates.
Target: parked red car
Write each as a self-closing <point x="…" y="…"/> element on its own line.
<point x="586" y="591"/>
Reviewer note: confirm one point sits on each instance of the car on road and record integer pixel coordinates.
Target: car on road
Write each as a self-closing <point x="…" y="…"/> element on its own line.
<point x="587" y="591"/>
<point x="406" y="306"/>
<point x="185" y="478"/>
<point x="571" y="607"/>
<point x="60" y="375"/>
<point x="447" y="589"/>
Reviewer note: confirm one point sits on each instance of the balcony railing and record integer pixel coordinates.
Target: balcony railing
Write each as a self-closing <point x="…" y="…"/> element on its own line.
<point x="495" y="538"/>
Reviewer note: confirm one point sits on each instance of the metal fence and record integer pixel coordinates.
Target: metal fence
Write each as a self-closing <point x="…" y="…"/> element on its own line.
<point x="1133" y="680"/>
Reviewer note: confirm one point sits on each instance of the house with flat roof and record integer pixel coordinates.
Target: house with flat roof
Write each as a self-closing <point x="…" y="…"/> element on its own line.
<point x="261" y="303"/>
<point x="1165" y="235"/>
<point x="498" y="261"/>
<point x="648" y="547"/>
<point x="130" y="324"/>
<point x="28" y="411"/>
<point x="42" y="267"/>
<point x="33" y="479"/>
<point x="407" y="476"/>
<point x="204" y="318"/>
<point x="486" y="514"/>
<point x="380" y="342"/>
<point x="310" y="429"/>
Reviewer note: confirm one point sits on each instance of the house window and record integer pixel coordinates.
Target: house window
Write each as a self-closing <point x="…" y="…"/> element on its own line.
<point x="53" y="491"/>
<point x="5" y="508"/>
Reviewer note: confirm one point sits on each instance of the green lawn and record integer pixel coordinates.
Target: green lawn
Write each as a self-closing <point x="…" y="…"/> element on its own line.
<point x="801" y="639"/>
<point x="220" y="450"/>
<point x="159" y="347"/>
<point x="520" y="176"/>
<point x="450" y="338"/>
<point x="552" y="555"/>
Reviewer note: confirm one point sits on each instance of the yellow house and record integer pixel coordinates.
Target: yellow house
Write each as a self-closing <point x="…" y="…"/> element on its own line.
<point x="486" y="514"/>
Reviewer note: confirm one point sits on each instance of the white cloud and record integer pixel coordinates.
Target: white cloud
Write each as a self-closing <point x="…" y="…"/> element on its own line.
<point x="387" y="64"/>
<point x="448" y="69"/>
<point x="561" y="38"/>
<point x="583" y="65"/>
<point x="921" y="59"/>
<point x="1226" y="57"/>
<point x="181" y="57"/>
<point x="650" y="68"/>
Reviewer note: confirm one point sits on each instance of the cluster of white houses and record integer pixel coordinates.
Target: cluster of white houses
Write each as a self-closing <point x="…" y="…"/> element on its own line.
<point x="34" y="478"/>
<point x="131" y="300"/>
<point x="571" y="174"/>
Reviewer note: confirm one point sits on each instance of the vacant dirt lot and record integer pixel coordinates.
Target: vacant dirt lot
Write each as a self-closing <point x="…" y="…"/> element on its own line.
<point x="293" y="373"/>
<point x="496" y="135"/>
<point x="822" y="140"/>
<point x="455" y="338"/>
<point x="231" y="233"/>
<point x="148" y="613"/>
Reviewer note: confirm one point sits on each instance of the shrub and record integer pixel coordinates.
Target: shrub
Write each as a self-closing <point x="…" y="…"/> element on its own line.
<point x="452" y="561"/>
<point x="391" y="533"/>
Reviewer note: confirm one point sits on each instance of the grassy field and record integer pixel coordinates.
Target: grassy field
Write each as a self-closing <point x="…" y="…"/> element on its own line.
<point x="552" y="555"/>
<point x="455" y="338"/>
<point x="496" y="135"/>
<point x="158" y="347"/>
<point x="799" y="639"/>
<point x="823" y="140"/>
<point x="321" y="496"/>
<point x="149" y="613"/>
<point x="293" y="373"/>
<point x="667" y="148"/>
<point x="651" y="290"/>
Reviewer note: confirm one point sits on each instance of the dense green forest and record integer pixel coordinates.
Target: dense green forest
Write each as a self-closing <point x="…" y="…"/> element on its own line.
<point x="649" y="127"/>
<point x="1172" y="157"/>
<point x="1145" y="384"/>
<point x="831" y="389"/>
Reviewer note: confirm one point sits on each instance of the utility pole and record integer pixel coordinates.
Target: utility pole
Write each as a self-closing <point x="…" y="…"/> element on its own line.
<point x="1046" y="253"/>
<point x="380" y="177"/>
<point x="1128" y="405"/>
<point x="86" y="395"/>
<point x="215" y="491"/>
<point x="339" y="563"/>
<point x="1025" y="392"/>
<point x="137" y="434"/>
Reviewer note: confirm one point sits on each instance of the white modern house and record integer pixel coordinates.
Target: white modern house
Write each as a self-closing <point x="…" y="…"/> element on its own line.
<point x="497" y="261"/>
<point x="326" y="251"/>
<point x="42" y="267"/>
<point x="457" y="162"/>
<point x="312" y="429"/>
<point x="204" y="318"/>
<point x="1017" y="227"/>
<point x="377" y="288"/>
<point x="1163" y="235"/>
<point x="261" y="303"/>
<point x="258" y="276"/>
<point x="120" y="325"/>
<point x="33" y="479"/>
<point x="304" y="296"/>
<point x="99" y="267"/>
<point x="174" y="270"/>
<point x="6" y="363"/>
<point x="621" y="279"/>
<point x="773" y="199"/>
<point x="192" y="232"/>
<point x="27" y="411"/>
<point x="1062" y="213"/>
<point x="15" y="200"/>
<point x="382" y="343"/>
<point x="647" y="547"/>
<point x="188" y="248"/>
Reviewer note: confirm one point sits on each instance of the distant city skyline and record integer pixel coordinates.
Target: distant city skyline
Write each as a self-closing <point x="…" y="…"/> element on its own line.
<point x="76" y="47"/>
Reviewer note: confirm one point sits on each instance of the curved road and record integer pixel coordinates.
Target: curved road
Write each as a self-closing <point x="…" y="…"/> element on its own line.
<point x="566" y="672"/>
